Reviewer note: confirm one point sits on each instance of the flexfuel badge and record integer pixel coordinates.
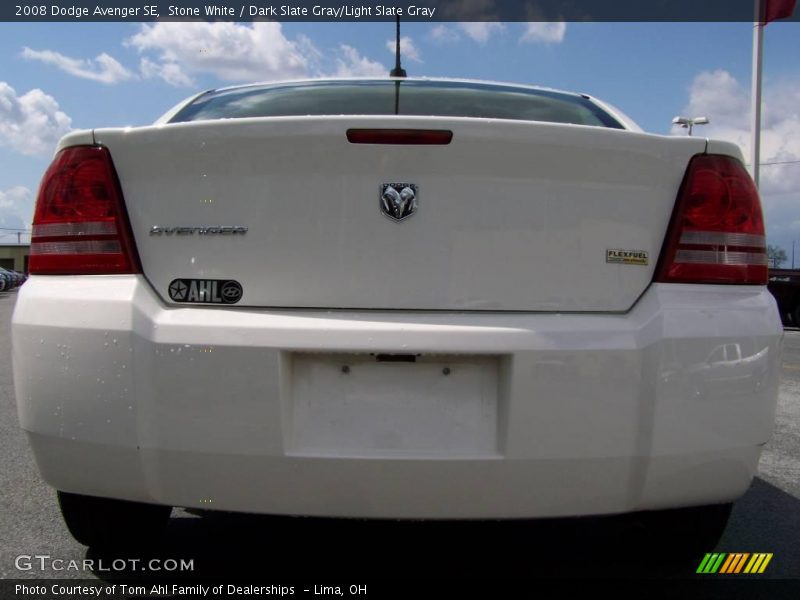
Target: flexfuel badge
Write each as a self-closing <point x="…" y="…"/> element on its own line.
<point x="627" y="257"/>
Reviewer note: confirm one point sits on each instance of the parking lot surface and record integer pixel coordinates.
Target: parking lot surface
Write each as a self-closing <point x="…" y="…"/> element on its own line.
<point x="766" y="519"/>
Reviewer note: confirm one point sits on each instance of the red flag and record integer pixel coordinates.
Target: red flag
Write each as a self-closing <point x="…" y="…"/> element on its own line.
<point x="777" y="9"/>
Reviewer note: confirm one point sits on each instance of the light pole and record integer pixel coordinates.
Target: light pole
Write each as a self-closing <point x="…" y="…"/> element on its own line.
<point x="688" y="123"/>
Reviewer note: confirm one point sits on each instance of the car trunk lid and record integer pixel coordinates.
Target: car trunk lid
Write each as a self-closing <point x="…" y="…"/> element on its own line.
<point x="510" y="216"/>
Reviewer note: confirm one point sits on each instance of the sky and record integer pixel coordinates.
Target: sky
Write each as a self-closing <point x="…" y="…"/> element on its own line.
<point x="56" y="77"/>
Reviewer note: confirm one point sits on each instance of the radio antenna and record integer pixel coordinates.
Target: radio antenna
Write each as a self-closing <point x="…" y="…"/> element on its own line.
<point x="398" y="71"/>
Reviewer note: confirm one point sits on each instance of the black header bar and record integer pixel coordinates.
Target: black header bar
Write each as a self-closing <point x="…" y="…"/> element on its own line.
<point x="382" y="10"/>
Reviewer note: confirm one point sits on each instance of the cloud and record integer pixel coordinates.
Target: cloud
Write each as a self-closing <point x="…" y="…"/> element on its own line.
<point x="176" y="53"/>
<point x="351" y="64"/>
<point x="544" y="33"/>
<point x="719" y="96"/>
<point x="481" y="31"/>
<point x="477" y="31"/>
<point x="169" y="72"/>
<point x="718" y="92"/>
<point x="16" y="211"/>
<point x="230" y="51"/>
<point x="444" y="34"/>
<point x="103" y="68"/>
<point x="407" y="49"/>
<point x="32" y="123"/>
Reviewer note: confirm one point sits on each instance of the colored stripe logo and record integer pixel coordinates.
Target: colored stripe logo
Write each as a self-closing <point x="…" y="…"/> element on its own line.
<point x="734" y="563"/>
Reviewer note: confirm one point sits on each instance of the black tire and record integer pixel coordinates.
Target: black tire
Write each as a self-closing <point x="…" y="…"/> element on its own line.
<point x="109" y="523"/>
<point x="796" y="316"/>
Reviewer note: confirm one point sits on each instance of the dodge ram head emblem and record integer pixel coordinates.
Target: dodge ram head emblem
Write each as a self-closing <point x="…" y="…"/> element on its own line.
<point x="398" y="200"/>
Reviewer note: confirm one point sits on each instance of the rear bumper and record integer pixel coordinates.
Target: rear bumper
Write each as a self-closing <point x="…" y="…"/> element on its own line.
<point x="241" y="409"/>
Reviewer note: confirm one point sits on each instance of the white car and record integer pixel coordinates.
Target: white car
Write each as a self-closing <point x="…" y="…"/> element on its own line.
<point x="396" y="298"/>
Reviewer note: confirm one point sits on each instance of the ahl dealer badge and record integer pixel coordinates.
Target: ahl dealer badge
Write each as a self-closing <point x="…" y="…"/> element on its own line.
<point x="205" y="291"/>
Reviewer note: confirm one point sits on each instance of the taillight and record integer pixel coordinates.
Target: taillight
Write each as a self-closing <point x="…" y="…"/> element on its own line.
<point x="717" y="230"/>
<point x="80" y="225"/>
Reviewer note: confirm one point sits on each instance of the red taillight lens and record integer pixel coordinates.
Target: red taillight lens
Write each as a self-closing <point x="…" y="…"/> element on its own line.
<point x="80" y="225"/>
<point x="717" y="230"/>
<point x="411" y="137"/>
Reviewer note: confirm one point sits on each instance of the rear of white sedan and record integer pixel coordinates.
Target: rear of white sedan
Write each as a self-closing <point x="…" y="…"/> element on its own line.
<point x="394" y="299"/>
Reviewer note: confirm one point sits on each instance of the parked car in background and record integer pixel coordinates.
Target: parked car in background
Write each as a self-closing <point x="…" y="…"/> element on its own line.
<point x="394" y="298"/>
<point x="11" y="279"/>
<point x="785" y="286"/>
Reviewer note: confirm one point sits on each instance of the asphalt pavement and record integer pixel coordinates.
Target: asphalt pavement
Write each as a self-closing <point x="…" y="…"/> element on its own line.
<point x="766" y="519"/>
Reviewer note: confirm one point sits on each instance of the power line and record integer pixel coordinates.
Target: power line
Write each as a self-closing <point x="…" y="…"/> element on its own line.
<point x="777" y="162"/>
<point x="783" y="162"/>
<point x="780" y="162"/>
<point x="14" y="229"/>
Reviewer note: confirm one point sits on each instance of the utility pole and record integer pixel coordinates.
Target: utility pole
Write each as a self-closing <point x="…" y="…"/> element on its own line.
<point x="755" y="114"/>
<point x="765" y="12"/>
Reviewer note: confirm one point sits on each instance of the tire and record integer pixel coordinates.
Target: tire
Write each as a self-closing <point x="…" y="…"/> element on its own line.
<point x="108" y="523"/>
<point x="796" y="316"/>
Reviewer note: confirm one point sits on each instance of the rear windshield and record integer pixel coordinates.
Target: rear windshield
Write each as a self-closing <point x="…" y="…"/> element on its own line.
<point x="388" y="97"/>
